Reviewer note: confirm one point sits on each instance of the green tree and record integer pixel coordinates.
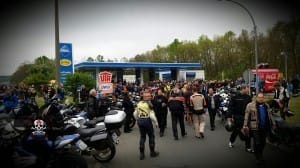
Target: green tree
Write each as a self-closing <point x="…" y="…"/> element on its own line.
<point x="90" y="59"/>
<point x="20" y="74"/>
<point x="231" y="54"/>
<point x="77" y="79"/>
<point x="37" y="73"/>
<point x="173" y="50"/>
<point x="99" y="58"/>
<point x="37" y="79"/>
<point x="204" y="55"/>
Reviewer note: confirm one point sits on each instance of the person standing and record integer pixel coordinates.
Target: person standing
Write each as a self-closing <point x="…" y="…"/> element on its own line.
<point x="129" y="109"/>
<point x="187" y="92"/>
<point x="237" y="107"/>
<point x="176" y="105"/>
<point x="281" y="99"/>
<point x="258" y="122"/>
<point x="83" y="94"/>
<point x="197" y="101"/>
<point x="145" y="115"/>
<point x="161" y="111"/>
<point x="295" y="82"/>
<point x="93" y="105"/>
<point x="213" y="104"/>
<point x="103" y="104"/>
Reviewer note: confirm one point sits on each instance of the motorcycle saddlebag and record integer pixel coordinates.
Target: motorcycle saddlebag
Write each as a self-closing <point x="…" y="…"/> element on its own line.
<point x="114" y="119"/>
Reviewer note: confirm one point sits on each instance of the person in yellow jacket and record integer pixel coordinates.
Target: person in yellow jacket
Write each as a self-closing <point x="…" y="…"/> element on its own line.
<point x="145" y="115"/>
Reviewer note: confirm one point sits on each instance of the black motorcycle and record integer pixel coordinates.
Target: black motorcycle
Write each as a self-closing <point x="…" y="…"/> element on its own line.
<point x="97" y="140"/>
<point x="285" y="133"/>
<point x="34" y="148"/>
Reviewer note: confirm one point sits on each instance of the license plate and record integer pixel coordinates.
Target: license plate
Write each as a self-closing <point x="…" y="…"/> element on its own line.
<point x="81" y="145"/>
<point x="115" y="137"/>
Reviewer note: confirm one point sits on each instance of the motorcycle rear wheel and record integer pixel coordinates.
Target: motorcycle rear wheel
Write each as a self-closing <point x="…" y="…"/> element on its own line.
<point x="105" y="154"/>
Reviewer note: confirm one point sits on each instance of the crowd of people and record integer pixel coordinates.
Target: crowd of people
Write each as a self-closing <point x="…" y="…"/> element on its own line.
<point x="186" y="102"/>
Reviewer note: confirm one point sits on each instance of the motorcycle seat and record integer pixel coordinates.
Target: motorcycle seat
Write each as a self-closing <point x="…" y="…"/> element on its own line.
<point x="100" y="119"/>
<point x="88" y="132"/>
<point x="112" y="112"/>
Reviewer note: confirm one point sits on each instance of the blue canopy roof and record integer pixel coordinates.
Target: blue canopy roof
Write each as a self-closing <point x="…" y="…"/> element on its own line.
<point x="89" y="65"/>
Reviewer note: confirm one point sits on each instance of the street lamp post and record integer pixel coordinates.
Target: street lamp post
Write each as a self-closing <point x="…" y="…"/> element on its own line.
<point x="255" y="41"/>
<point x="57" y="57"/>
<point x="285" y="64"/>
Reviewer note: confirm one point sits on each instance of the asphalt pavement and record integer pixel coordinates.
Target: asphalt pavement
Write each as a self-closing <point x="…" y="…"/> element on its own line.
<point x="210" y="152"/>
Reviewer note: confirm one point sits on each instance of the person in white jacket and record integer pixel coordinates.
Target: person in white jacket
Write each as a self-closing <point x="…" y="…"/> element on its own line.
<point x="145" y="117"/>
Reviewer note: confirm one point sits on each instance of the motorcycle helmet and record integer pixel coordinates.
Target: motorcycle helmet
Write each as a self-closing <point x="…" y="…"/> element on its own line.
<point x="229" y="126"/>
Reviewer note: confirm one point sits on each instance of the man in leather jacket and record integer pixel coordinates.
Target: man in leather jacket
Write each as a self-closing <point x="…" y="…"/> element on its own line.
<point x="93" y="104"/>
<point x="161" y="111"/>
<point x="237" y="107"/>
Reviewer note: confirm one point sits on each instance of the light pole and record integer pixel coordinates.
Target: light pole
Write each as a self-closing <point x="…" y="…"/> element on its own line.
<point x="285" y="64"/>
<point x="255" y="41"/>
<point x="57" y="57"/>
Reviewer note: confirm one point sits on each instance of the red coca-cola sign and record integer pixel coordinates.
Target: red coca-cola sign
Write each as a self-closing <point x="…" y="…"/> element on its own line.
<point x="105" y="77"/>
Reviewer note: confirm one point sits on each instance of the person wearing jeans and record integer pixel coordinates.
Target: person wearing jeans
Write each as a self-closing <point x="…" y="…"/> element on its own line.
<point x="213" y="104"/>
<point x="144" y="115"/>
<point x="177" y="106"/>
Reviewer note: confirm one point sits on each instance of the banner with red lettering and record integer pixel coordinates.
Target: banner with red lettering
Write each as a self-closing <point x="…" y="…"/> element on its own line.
<point x="104" y="80"/>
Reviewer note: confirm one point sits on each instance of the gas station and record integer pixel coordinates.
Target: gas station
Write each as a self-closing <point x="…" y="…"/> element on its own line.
<point x="139" y="68"/>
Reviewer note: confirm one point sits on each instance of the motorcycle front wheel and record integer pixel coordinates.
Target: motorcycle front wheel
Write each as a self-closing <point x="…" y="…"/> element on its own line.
<point x="70" y="160"/>
<point x="106" y="153"/>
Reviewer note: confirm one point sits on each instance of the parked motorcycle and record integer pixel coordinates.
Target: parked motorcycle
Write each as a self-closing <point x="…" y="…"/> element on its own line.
<point x="285" y="133"/>
<point x="100" y="134"/>
<point x="224" y="104"/>
<point x="34" y="148"/>
<point x="118" y="105"/>
<point x="94" y="133"/>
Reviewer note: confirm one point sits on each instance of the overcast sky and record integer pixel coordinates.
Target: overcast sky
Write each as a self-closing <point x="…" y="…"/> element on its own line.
<point x="122" y="28"/>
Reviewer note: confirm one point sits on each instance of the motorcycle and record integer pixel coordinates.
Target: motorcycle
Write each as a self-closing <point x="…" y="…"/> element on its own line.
<point x="100" y="134"/>
<point x="53" y="151"/>
<point x="34" y="148"/>
<point x="223" y="109"/>
<point x="117" y="105"/>
<point x="285" y="133"/>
